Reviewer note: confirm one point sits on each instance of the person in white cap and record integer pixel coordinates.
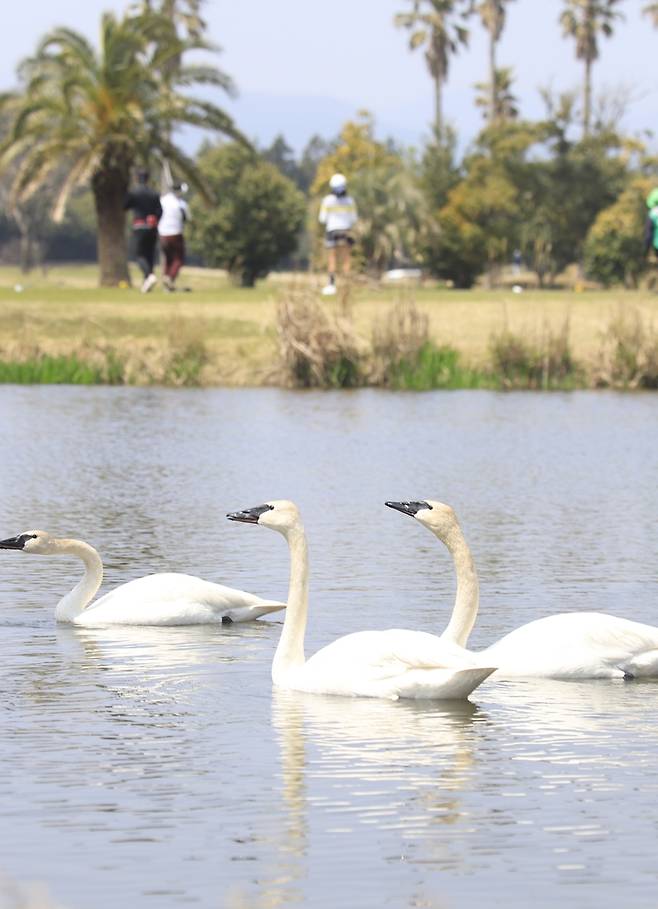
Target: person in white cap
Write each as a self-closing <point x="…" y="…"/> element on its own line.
<point x="175" y="214"/>
<point x="338" y="214"/>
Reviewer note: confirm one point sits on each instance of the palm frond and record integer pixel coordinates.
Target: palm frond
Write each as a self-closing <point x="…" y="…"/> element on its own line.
<point x="77" y="175"/>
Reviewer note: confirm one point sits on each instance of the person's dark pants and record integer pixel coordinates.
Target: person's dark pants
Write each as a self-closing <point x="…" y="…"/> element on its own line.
<point x="173" y="249"/>
<point x="145" y="244"/>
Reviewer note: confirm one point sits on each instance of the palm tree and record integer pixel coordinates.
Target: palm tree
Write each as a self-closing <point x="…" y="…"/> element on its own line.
<point x="492" y="13"/>
<point x="94" y="114"/>
<point x="505" y="102"/>
<point x="651" y="10"/>
<point x="585" y="20"/>
<point x="431" y="24"/>
<point x="183" y="13"/>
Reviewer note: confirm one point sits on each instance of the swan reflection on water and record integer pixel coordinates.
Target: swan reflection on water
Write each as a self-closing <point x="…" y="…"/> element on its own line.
<point x="419" y="744"/>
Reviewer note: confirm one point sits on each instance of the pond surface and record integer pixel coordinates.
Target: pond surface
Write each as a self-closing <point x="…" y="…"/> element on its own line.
<point x="156" y="768"/>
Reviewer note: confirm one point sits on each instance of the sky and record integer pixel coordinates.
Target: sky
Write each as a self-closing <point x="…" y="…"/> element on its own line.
<point x="303" y="67"/>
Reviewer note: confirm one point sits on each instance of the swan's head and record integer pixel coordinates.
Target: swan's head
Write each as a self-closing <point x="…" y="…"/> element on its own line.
<point x="37" y="542"/>
<point x="436" y="516"/>
<point x="279" y="514"/>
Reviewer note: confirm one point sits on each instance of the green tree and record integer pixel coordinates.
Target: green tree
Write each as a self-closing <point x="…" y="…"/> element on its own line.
<point x="183" y="14"/>
<point x="573" y="182"/>
<point x="435" y="25"/>
<point x="281" y="155"/>
<point x="315" y="150"/>
<point x="481" y="222"/>
<point x="614" y="251"/>
<point x="256" y="220"/>
<point x="439" y="171"/>
<point x="394" y="217"/>
<point x="585" y="21"/>
<point x="355" y="150"/>
<point x="492" y="14"/>
<point x="96" y="113"/>
<point x="504" y="101"/>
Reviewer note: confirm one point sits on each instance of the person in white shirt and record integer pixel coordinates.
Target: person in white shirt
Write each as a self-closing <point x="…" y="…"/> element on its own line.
<point x="175" y="212"/>
<point x="338" y="214"/>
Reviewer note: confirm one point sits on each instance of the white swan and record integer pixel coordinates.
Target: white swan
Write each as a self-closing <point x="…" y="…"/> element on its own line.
<point x="387" y="664"/>
<point x="156" y="599"/>
<point x="574" y="645"/>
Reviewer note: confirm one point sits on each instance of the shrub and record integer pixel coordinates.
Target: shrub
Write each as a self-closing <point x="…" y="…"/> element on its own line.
<point x="614" y="249"/>
<point x="629" y="354"/>
<point x="519" y="363"/>
<point x="403" y="356"/>
<point x="257" y="219"/>
<point x="317" y="349"/>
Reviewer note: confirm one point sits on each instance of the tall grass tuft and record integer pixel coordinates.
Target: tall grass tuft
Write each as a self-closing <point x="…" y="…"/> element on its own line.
<point x="517" y="362"/>
<point x="629" y="353"/>
<point x="435" y="367"/>
<point x="46" y="369"/>
<point x="318" y="349"/>
<point x="404" y="357"/>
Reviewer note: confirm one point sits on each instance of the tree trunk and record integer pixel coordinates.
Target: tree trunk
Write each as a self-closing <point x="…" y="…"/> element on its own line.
<point x="25" y="244"/>
<point x="438" y="105"/>
<point x="110" y="187"/>
<point x="587" y="98"/>
<point x="493" y="99"/>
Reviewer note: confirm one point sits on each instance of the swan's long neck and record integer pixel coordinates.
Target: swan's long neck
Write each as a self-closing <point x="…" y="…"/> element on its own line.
<point x="290" y="650"/>
<point x="467" y="598"/>
<point x="85" y="590"/>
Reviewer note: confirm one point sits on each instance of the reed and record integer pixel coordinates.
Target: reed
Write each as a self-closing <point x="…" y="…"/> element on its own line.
<point x="544" y="363"/>
<point x="628" y="356"/>
<point x="45" y="369"/>
<point x="318" y="347"/>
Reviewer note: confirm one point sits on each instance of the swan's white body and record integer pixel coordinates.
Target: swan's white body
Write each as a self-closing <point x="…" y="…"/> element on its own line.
<point x="385" y="664"/>
<point x="577" y="645"/>
<point x="573" y="645"/>
<point x="157" y="599"/>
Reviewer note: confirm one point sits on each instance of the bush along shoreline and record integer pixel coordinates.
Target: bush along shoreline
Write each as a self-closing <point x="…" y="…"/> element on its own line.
<point x="318" y="346"/>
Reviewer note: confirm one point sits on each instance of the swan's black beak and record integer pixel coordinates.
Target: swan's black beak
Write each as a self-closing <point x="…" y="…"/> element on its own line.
<point x="14" y="542"/>
<point x="410" y="508"/>
<point x="249" y="515"/>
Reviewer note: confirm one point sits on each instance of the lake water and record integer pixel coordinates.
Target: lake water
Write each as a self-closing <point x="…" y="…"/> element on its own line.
<point x="156" y="768"/>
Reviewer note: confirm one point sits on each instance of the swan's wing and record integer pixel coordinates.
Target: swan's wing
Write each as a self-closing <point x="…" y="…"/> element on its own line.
<point x="395" y="663"/>
<point x="159" y="599"/>
<point x="385" y="653"/>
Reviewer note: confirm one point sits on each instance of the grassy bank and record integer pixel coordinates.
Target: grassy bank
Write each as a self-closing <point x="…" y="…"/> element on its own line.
<point x="59" y="326"/>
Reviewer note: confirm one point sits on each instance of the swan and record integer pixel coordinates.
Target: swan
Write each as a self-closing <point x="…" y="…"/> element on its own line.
<point x="385" y="664"/>
<point x="573" y="645"/>
<point x="156" y="599"/>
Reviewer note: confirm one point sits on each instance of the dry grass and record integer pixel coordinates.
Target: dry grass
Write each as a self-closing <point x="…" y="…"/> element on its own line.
<point x="545" y="361"/>
<point x="318" y="345"/>
<point x="628" y="357"/>
<point x="63" y="313"/>
<point x="398" y="336"/>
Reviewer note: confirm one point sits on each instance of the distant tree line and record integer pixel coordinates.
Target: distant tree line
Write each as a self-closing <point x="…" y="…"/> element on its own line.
<point x="567" y="188"/>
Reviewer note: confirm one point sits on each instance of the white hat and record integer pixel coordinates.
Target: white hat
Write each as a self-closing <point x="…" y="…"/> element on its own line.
<point x="338" y="181"/>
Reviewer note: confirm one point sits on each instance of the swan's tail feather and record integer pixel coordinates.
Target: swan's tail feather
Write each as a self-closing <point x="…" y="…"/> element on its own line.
<point x="440" y="684"/>
<point x="642" y="665"/>
<point x="265" y="607"/>
<point x="464" y="682"/>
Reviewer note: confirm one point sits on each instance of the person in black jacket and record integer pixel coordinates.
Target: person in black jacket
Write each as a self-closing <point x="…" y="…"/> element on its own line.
<point x="147" y="211"/>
